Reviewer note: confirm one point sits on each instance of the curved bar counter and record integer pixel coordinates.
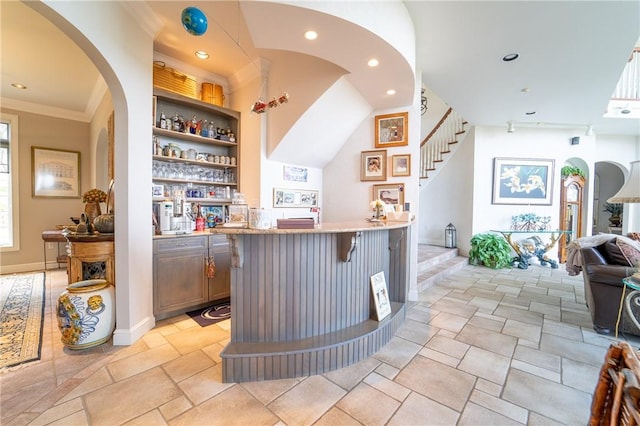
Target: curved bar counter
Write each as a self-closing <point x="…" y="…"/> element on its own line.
<point x="301" y="302"/>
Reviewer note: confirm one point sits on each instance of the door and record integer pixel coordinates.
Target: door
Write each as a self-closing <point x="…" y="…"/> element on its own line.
<point x="571" y="193"/>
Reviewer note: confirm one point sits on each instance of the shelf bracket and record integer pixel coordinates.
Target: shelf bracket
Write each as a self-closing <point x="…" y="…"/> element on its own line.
<point x="237" y="250"/>
<point x="347" y="243"/>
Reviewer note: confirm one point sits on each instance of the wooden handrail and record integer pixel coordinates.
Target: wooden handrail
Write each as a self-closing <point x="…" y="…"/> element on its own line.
<point x="435" y="129"/>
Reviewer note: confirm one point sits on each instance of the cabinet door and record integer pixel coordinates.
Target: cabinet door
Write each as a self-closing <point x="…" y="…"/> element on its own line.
<point x="180" y="281"/>
<point x="220" y="284"/>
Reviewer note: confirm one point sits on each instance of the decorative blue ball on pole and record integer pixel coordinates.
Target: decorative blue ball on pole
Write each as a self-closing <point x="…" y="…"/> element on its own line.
<point x="194" y="21"/>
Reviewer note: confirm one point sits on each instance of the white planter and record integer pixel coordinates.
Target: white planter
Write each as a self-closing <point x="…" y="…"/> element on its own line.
<point x="86" y="313"/>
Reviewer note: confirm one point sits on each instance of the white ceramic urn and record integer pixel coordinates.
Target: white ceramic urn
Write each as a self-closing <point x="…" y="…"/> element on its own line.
<point x="86" y="313"/>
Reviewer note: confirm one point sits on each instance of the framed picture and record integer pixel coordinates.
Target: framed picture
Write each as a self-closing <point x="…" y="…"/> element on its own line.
<point x="294" y="198"/>
<point x="157" y="190"/>
<point x="389" y="193"/>
<point x="391" y="129"/>
<point x="373" y="165"/>
<point x="295" y="174"/>
<point x="401" y="165"/>
<point x="55" y="173"/>
<point x="380" y="296"/>
<point x="522" y="181"/>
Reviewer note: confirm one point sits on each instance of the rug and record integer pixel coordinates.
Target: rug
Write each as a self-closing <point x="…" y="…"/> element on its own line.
<point x="211" y="314"/>
<point x="21" y="318"/>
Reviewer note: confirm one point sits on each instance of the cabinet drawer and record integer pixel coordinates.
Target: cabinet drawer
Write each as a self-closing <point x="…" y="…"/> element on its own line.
<point x="218" y="243"/>
<point x="179" y="244"/>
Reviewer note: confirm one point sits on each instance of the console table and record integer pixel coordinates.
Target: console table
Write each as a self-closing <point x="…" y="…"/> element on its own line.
<point x="532" y="246"/>
<point x="54" y="236"/>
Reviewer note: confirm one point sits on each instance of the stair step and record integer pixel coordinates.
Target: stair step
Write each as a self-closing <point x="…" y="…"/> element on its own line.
<point x="435" y="263"/>
<point x="440" y="271"/>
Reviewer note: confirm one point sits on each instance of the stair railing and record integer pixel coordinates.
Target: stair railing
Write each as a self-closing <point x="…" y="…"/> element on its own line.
<point x="628" y="87"/>
<point x="439" y="141"/>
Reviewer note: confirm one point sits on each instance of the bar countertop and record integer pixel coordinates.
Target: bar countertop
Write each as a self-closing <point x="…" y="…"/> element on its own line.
<point x="323" y="228"/>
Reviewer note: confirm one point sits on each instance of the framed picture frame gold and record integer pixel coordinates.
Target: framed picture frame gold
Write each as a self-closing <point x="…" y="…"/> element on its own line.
<point x="391" y="130"/>
<point x="401" y="165"/>
<point x="55" y="173"/>
<point x="373" y="165"/>
<point x="390" y="193"/>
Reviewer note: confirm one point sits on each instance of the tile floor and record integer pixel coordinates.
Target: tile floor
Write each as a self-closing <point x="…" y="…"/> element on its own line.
<point x="483" y="347"/>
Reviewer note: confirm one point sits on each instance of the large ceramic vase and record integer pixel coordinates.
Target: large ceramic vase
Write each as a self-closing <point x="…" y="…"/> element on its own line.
<point x="86" y="313"/>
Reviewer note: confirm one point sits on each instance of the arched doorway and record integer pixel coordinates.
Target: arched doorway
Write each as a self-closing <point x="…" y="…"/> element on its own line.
<point x="609" y="178"/>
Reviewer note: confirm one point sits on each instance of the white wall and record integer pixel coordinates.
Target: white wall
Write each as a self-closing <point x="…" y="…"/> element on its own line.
<point x="122" y="49"/>
<point x="447" y="197"/>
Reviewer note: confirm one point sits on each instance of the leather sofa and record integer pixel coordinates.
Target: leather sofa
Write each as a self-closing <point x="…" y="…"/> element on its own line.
<point x="603" y="268"/>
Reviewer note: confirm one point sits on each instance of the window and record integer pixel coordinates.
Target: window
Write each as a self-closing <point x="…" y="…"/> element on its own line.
<point x="9" y="196"/>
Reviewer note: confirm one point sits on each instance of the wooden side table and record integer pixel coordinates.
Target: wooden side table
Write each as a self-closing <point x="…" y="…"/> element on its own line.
<point x="54" y="236"/>
<point x="628" y="302"/>
<point x="91" y="257"/>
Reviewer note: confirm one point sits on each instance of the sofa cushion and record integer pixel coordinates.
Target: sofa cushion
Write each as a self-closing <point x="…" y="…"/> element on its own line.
<point x="612" y="252"/>
<point x="630" y="251"/>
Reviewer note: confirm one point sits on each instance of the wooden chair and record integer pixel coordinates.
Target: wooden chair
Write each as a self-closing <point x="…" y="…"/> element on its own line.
<point x="616" y="400"/>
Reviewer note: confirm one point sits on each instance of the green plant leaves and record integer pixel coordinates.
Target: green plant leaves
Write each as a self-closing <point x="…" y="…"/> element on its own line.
<point x="490" y="250"/>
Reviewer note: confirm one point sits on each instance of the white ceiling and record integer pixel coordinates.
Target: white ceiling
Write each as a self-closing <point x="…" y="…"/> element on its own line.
<point x="571" y="55"/>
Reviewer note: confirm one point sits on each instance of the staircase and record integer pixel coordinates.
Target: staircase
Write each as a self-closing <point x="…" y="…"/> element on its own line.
<point x="435" y="263"/>
<point x="447" y="132"/>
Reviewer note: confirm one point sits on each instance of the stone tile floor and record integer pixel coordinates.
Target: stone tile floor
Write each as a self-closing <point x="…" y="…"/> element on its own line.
<point x="482" y="347"/>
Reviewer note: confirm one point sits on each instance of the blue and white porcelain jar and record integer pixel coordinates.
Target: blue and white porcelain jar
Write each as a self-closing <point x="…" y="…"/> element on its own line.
<point x="86" y="313"/>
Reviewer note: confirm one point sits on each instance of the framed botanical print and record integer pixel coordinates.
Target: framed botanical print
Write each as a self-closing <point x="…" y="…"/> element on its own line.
<point x="373" y="165"/>
<point x="392" y="129"/>
<point x="522" y="181"/>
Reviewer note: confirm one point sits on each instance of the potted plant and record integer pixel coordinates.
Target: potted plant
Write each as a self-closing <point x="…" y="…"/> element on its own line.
<point x="616" y="210"/>
<point x="490" y="250"/>
<point x="571" y="171"/>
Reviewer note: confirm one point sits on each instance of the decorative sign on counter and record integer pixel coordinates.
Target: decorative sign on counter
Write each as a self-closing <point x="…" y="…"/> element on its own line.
<point x="380" y="295"/>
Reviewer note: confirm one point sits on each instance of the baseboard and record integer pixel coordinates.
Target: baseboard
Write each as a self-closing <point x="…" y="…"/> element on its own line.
<point x="23" y="267"/>
<point x="126" y="337"/>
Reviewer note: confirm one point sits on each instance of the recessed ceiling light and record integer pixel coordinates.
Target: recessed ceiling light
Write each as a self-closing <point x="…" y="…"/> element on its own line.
<point x="391" y="92"/>
<point x="311" y="35"/>
<point x="202" y="54"/>
<point x="530" y="112"/>
<point x="525" y="90"/>
<point x="625" y="111"/>
<point x="510" y="57"/>
<point x="19" y="86"/>
<point x="373" y="62"/>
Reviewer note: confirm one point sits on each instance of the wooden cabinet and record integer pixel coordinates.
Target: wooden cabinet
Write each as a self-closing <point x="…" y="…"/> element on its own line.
<point x="220" y="254"/>
<point x="181" y="272"/>
<point x="208" y="173"/>
<point x="90" y="257"/>
<point x="571" y="192"/>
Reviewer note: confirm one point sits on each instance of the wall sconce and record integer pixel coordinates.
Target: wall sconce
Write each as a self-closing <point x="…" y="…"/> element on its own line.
<point x="450" y="236"/>
<point x="510" y="129"/>
<point x="423" y="103"/>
